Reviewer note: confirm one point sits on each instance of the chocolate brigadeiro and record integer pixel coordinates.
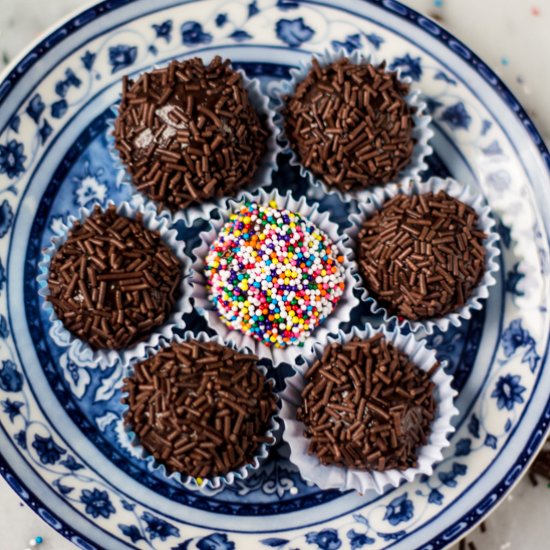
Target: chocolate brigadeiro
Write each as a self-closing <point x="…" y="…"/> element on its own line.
<point x="113" y="281"/>
<point x="422" y="255"/>
<point x="350" y="124"/>
<point x="366" y="406"/>
<point x="188" y="132"/>
<point x="201" y="409"/>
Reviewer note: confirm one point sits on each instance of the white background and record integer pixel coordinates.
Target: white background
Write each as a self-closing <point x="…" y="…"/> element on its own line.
<point x="513" y="37"/>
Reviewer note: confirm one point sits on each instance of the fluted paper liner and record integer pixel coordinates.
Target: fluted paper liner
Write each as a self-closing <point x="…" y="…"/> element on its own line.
<point x="341" y="312"/>
<point x="262" y="176"/>
<point x="152" y="222"/>
<point x="339" y="477"/>
<point x="461" y="192"/>
<point x="421" y="133"/>
<point x="214" y="484"/>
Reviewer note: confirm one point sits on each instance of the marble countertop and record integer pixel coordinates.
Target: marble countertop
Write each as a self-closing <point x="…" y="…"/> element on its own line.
<point x="512" y="37"/>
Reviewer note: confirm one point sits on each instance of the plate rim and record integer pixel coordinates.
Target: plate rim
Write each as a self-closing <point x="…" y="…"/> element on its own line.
<point x="21" y="65"/>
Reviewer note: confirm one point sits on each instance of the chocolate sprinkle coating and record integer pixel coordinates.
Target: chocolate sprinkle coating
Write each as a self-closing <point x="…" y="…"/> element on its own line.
<point x="113" y="281"/>
<point x="188" y="133"/>
<point x="421" y="256"/>
<point x="201" y="409"/>
<point x="366" y="406"/>
<point x="350" y="124"/>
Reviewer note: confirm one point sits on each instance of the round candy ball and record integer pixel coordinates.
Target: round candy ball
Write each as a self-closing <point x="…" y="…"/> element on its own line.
<point x="273" y="275"/>
<point x="350" y="124"/>
<point x="188" y="132"/>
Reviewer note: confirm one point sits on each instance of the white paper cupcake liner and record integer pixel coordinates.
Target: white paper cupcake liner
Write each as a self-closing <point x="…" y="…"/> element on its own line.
<point x="342" y="311"/>
<point x="422" y="133"/>
<point x="183" y="305"/>
<point x="207" y="485"/>
<point x="461" y="192"/>
<point x="267" y="165"/>
<point x="338" y="477"/>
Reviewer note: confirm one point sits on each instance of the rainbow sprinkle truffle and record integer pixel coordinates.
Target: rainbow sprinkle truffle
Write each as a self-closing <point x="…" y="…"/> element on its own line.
<point x="273" y="275"/>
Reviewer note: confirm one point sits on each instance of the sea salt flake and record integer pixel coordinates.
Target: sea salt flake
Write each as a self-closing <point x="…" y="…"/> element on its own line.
<point x="164" y="111"/>
<point x="169" y="132"/>
<point x="144" y="139"/>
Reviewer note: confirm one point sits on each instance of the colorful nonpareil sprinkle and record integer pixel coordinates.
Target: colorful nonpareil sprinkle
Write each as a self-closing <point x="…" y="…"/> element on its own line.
<point x="273" y="275"/>
<point x="35" y="542"/>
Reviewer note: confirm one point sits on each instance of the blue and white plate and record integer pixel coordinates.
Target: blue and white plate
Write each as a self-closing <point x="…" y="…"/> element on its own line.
<point x="62" y="445"/>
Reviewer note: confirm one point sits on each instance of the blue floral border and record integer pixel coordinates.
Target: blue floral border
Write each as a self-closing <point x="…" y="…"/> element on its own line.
<point x="37" y="506"/>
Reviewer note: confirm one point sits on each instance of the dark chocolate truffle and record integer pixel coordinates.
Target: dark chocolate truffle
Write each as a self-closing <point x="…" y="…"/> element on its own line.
<point x="188" y="132"/>
<point x="366" y="406"/>
<point x="421" y="256"/>
<point x="350" y="125"/>
<point x="113" y="281"/>
<point x="200" y="409"/>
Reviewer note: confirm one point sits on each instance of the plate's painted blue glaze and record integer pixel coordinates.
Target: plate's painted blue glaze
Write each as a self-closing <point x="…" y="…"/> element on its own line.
<point x="63" y="448"/>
